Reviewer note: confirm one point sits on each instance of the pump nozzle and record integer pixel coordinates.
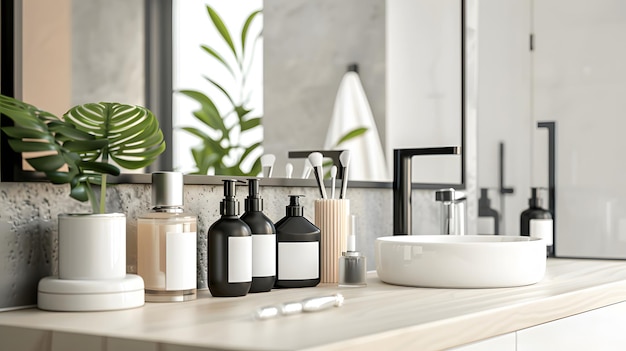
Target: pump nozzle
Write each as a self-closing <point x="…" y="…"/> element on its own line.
<point x="535" y="201"/>
<point x="229" y="187"/>
<point x="294" y="208"/>
<point x="253" y="188"/>
<point x="230" y="206"/>
<point x="253" y="202"/>
<point x="484" y="200"/>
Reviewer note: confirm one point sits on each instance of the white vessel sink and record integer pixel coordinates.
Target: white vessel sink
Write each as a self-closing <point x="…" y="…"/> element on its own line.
<point x="469" y="261"/>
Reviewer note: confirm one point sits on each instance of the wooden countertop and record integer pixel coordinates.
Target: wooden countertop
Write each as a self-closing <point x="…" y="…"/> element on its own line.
<point x="379" y="316"/>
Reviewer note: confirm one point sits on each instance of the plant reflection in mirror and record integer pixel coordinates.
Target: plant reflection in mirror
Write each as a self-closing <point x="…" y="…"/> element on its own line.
<point x="221" y="150"/>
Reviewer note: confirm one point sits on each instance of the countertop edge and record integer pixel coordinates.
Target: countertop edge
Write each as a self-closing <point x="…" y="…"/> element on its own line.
<point x="571" y="287"/>
<point x="474" y="326"/>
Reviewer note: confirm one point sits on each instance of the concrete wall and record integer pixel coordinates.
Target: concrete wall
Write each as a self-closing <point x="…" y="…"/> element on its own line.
<point x="28" y="224"/>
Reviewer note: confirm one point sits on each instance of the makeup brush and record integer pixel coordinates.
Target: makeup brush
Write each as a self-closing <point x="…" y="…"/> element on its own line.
<point x="316" y="160"/>
<point x="333" y="176"/>
<point x="288" y="169"/>
<point x="267" y="164"/>
<point x="307" y="169"/>
<point x="344" y="159"/>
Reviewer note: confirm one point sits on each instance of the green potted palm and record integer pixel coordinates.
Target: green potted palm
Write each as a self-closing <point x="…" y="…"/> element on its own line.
<point x="82" y="149"/>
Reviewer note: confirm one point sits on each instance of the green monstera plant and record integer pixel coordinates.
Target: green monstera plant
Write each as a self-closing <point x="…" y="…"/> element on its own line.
<point x="226" y="152"/>
<point x="86" y="140"/>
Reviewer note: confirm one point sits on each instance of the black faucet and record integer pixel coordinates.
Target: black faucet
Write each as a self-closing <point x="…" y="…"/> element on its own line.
<point x="402" y="183"/>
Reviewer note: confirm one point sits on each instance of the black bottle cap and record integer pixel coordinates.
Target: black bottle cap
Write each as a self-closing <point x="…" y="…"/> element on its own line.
<point x="253" y="202"/>
<point x="535" y="200"/>
<point x="229" y="206"/>
<point x="484" y="201"/>
<point x="294" y="209"/>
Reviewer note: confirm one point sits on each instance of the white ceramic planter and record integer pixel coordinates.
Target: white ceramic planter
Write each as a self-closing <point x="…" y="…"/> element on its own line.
<point x="92" y="267"/>
<point x="92" y="246"/>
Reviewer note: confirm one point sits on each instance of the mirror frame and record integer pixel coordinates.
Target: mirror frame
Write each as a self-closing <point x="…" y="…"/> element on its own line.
<point x="158" y="73"/>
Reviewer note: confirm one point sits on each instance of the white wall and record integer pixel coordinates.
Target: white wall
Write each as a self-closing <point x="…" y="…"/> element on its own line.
<point x="108" y="51"/>
<point x="423" y="42"/>
<point x="504" y="106"/>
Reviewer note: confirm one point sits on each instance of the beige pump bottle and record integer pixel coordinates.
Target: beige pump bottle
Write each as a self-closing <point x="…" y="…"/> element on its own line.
<point x="166" y="243"/>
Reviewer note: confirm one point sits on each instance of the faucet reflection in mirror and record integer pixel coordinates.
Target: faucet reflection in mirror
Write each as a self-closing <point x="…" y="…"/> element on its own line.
<point x="402" y="183"/>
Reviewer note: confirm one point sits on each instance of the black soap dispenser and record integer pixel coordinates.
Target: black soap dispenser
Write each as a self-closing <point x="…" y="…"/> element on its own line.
<point x="488" y="218"/>
<point x="298" y="249"/>
<point x="229" y="249"/>
<point x="537" y="222"/>
<point x="263" y="240"/>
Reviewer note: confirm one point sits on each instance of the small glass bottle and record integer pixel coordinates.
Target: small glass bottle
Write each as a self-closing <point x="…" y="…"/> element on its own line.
<point x="166" y="243"/>
<point x="352" y="264"/>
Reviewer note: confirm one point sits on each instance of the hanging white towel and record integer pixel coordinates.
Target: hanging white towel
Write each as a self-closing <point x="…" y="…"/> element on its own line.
<point x="351" y="111"/>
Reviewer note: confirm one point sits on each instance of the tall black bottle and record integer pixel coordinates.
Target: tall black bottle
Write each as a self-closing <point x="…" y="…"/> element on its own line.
<point x="537" y="222"/>
<point x="298" y="249"/>
<point x="230" y="249"/>
<point x="488" y="218"/>
<point x="263" y="240"/>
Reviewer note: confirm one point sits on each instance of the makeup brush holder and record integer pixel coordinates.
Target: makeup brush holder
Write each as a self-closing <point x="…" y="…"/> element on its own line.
<point x="332" y="217"/>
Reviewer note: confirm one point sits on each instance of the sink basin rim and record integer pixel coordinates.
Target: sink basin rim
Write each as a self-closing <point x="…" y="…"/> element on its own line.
<point x="446" y="261"/>
<point x="458" y="239"/>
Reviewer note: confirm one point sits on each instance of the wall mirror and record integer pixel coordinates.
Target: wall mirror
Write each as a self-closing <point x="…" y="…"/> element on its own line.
<point x="571" y="74"/>
<point x="410" y="58"/>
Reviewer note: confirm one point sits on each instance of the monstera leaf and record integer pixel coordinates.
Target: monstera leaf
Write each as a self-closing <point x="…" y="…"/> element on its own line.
<point x="88" y="138"/>
<point x="33" y="131"/>
<point x="131" y="134"/>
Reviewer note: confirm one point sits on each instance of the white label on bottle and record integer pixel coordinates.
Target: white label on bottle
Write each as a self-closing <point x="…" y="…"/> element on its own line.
<point x="263" y="255"/>
<point x="486" y="225"/>
<point x="239" y="259"/>
<point x="542" y="228"/>
<point x="298" y="260"/>
<point x="180" y="257"/>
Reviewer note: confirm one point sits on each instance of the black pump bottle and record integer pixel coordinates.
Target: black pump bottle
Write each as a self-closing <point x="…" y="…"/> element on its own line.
<point x="486" y="212"/>
<point x="230" y="249"/>
<point x="536" y="221"/>
<point x="298" y="249"/>
<point x="263" y="240"/>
